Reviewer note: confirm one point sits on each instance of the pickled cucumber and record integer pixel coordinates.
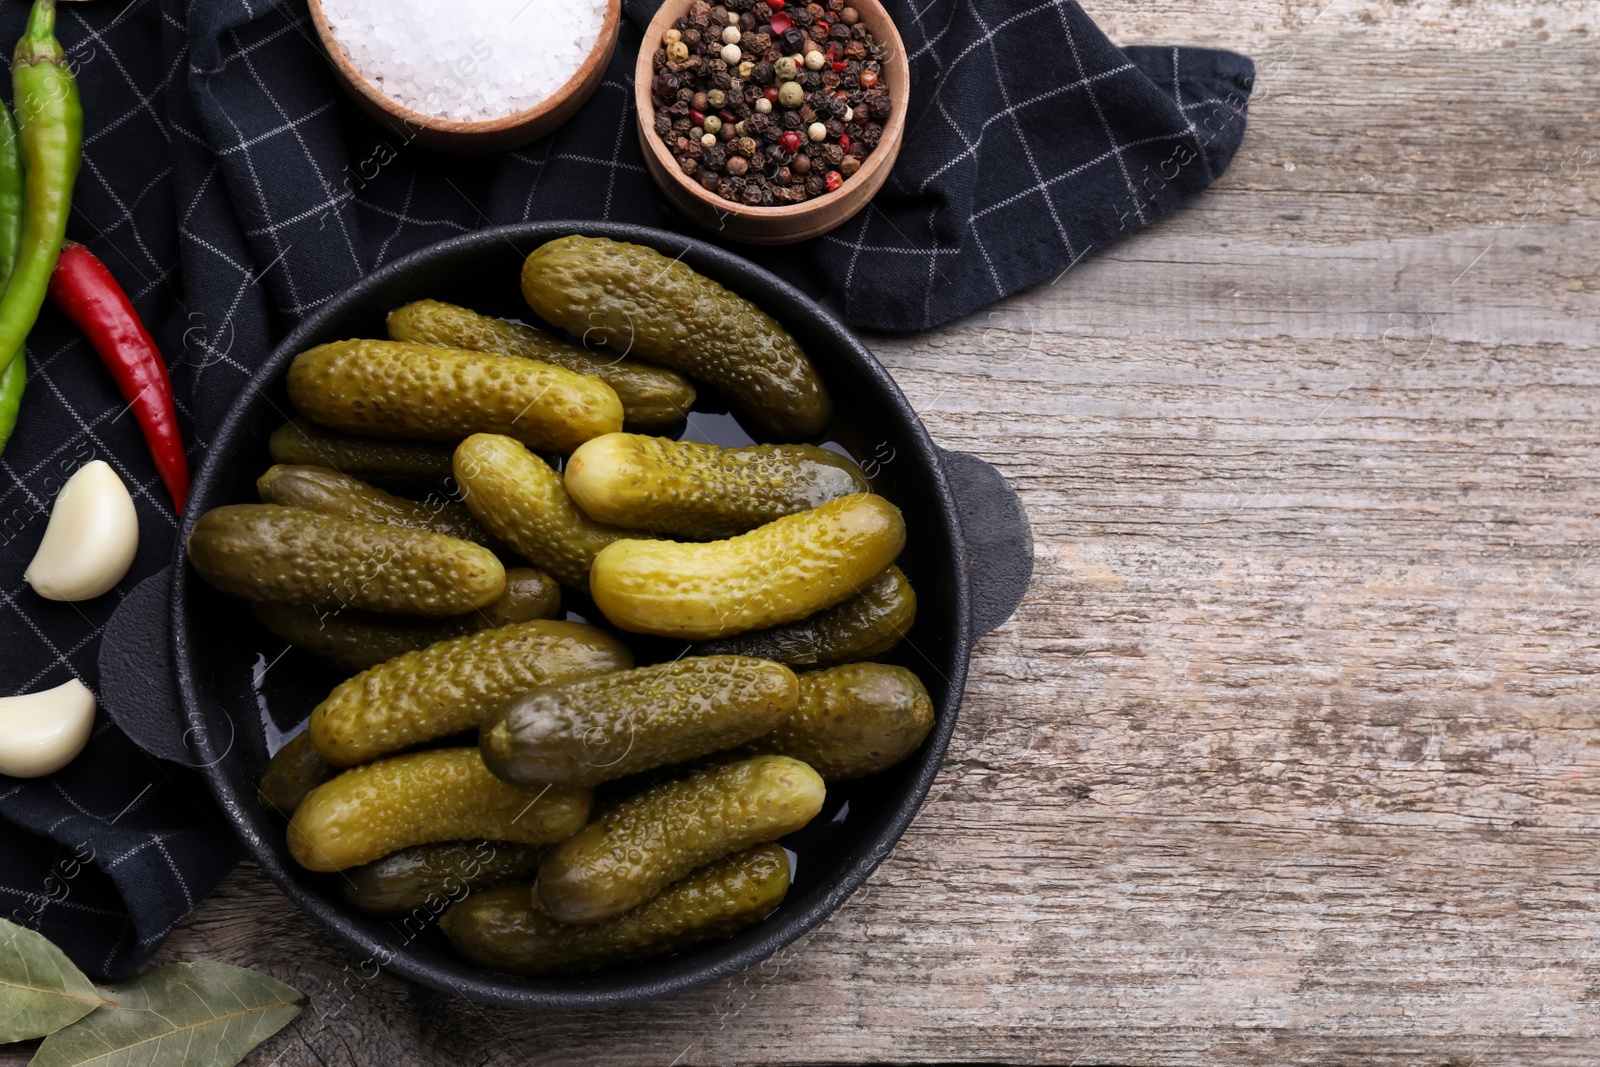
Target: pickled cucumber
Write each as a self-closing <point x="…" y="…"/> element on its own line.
<point x="269" y="552"/>
<point x="854" y="720"/>
<point x="410" y="465"/>
<point x="651" y="396"/>
<point x="390" y="389"/>
<point x="292" y="772"/>
<point x="783" y="571"/>
<point x="427" y="876"/>
<point x="865" y="626"/>
<point x="443" y="794"/>
<point x="590" y="730"/>
<point x="530" y="594"/>
<point x="647" y="842"/>
<point x="702" y="492"/>
<point x="324" y="489"/>
<point x="506" y="929"/>
<point x="638" y="301"/>
<point x="516" y="495"/>
<point x="449" y="687"/>
<point x="359" y="639"/>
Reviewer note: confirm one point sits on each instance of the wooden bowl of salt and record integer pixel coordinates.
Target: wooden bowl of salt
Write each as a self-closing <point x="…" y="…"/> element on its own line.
<point x="470" y="76"/>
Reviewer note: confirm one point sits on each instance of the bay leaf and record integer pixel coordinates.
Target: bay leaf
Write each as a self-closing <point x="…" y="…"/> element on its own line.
<point x="40" y="990"/>
<point x="183" y="1015"/>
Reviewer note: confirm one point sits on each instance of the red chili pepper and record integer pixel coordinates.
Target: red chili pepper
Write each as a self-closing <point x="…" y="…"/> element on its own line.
<point x="776" y="5"/>
<point x="833" y="181"/>
<point x="781" y="23"/>
<point x="844" y="141"/>
<point x="698" y="117"/>
<point x="790" y="141"/>
<point x="82" y="287"/>
<point x="839" y="65"/>
<point x="771" y="93"/>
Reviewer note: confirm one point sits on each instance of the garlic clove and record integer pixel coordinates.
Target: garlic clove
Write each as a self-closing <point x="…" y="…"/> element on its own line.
<point x="40" y="733"/>
<point x="91" y="538"/>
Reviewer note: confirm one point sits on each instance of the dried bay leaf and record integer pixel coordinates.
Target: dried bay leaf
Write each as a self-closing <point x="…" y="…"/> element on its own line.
<point x="183" y="1015"/>
<point x="40" y="990"/>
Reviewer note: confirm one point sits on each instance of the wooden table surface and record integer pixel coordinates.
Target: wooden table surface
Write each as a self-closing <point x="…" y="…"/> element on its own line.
<point x="1289" y="755"/>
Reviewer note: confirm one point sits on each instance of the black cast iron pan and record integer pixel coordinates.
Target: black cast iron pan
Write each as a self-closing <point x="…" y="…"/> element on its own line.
<point x="969" y="556"/>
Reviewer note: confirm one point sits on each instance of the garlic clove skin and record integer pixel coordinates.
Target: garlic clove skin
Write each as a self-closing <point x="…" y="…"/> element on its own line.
<point x="40" y="733"/>
<point x="91" y="539"/>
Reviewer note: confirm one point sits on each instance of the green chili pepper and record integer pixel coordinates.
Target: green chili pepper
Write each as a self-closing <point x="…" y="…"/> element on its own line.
<point x="15" y="376"/>
<point x="51" y="120"/>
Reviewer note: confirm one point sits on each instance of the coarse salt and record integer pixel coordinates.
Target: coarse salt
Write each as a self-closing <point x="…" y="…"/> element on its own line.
<point x="468" y="60"/>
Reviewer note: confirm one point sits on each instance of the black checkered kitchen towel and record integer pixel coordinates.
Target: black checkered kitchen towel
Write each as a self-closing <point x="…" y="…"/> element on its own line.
<point x="232" y="189"/>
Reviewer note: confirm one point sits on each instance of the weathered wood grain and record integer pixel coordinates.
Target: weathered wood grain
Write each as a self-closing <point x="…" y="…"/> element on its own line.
<point x="1290" y="756"/>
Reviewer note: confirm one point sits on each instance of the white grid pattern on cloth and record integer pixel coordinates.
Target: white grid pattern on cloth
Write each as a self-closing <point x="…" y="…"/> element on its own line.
<point x="1080" y="119"/>
<point x="222" y="185"/>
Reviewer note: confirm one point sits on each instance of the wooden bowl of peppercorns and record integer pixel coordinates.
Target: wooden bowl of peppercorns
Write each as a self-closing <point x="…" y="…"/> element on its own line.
<point x="771" y="121"/>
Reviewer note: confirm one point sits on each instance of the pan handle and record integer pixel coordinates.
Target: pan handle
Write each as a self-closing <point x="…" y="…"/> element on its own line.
<point x="137" y="687"/>
<point x="999" y="541"/>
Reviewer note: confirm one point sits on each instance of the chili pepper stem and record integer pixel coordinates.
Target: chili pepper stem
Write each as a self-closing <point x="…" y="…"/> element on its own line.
<point x="38" y="43"/>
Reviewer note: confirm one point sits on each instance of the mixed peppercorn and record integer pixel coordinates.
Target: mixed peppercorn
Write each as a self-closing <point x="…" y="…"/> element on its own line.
<point x="767" y="102"/>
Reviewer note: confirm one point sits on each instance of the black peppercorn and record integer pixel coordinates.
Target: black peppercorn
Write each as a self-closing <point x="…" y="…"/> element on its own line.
<point x="810" y="81"/>
<point x="801" y="165"/>
<point x="793" y="40"/>
<point x="815" y="185"/>
<point x="782" y="176"/>
<point x="663" y="124"/>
